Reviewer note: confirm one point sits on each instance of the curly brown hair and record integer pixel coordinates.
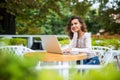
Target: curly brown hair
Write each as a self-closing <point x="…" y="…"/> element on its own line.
<point x="68" y="28"/>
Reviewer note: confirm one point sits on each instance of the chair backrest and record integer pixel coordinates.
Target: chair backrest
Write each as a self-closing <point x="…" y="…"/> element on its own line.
<point x="104" y="54"/>
<point x="18" y="50"/>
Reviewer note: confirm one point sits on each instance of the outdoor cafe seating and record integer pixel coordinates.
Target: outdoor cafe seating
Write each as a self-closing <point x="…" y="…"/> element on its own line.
<point x="104" y="54"/>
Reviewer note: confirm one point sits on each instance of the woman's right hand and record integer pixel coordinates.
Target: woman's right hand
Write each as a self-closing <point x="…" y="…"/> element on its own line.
<point x="74" y="29"/>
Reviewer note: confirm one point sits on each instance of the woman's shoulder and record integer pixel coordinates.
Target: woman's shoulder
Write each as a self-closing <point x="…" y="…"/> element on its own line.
<point x="87" y="34"/>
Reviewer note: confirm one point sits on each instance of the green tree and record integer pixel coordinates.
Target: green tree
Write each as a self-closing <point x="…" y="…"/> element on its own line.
<point x="92" y="24"/>
<point x="10" y="9"/>
<point x="80" y="8"/>
<point x="106" y="18"/>
<point x="50" y="17"/>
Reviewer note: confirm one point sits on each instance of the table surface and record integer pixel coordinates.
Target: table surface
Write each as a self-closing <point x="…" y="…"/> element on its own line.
<point x="53" y="57"/>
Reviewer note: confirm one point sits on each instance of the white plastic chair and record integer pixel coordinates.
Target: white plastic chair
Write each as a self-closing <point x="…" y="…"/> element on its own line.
<point x="104" y="54"/>
<point x="116" y="55"/>
<point x="18" y="50"/>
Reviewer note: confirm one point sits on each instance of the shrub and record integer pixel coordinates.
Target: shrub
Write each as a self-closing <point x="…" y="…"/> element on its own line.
<point x="18" y="41"/>
<point x="63" y="41"/>
<point x="109" y="72"/>
<point x="112" y="43"/>
<point x="13" y="67"/>
<point x="4" y="41"/>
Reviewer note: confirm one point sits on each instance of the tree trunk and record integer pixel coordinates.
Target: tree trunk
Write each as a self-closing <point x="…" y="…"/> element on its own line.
<point x="7" y="22"/>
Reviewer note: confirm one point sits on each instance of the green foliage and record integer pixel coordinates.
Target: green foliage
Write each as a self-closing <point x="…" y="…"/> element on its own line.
<point x="4" y="41"/>
<point x="112" y="43"/>
<point x="49" y="75"/>
<point x="63" y="41"/>
<point x="93" y="25"/>
<point x="81" y="8"/>
<point x="54" y="24"/>
<point x="106" y="18"/>
<point x="30" y="24"/>
<point x="55" y="18"/>
<point x="29" y="30"/>
<point x="18" y="41"/>
<point x="107" y="73"/>
<point x="50" y="17"/>
<point x="17" y="7"/>
<point x="13" y="41"/>
<point x="13" y="67"/>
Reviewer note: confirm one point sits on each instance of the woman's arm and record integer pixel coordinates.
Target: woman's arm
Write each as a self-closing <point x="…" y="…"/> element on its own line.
<point x="72" y="47"/>
<point x="87" y="45"/>
<point x="73" y="42"/>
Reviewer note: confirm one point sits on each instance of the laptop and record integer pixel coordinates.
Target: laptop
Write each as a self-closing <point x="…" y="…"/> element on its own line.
<point x="51" y="44"/>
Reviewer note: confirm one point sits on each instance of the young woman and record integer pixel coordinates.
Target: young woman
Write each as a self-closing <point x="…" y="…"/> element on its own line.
<point x="80" y="40"/>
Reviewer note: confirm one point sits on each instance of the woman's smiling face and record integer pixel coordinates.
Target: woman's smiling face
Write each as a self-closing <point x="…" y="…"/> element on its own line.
<point x="75" y="25"/>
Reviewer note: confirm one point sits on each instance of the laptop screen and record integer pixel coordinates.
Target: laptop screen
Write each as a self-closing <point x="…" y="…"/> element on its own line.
<point x="51" y="44"/>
